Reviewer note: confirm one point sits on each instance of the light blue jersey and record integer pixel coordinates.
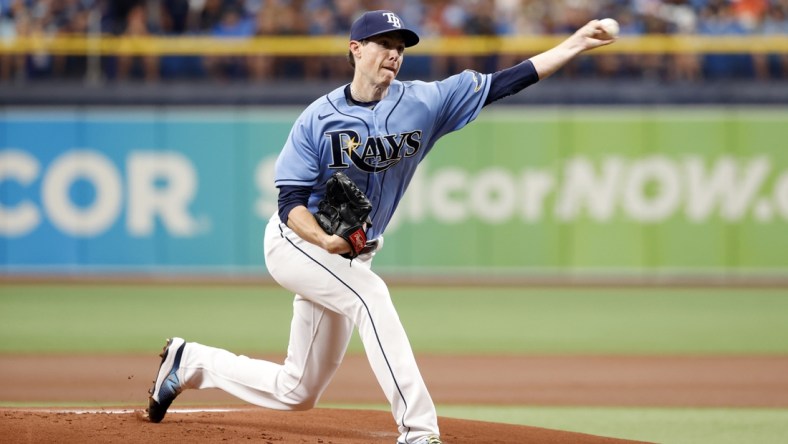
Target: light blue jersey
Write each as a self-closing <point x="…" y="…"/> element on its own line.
<point x="378" y="148"/>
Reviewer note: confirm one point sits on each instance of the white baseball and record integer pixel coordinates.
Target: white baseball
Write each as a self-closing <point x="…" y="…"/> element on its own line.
<point x="610" y="26"/>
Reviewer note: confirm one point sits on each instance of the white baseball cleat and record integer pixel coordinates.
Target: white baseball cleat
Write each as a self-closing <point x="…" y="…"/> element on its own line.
<point x="431" y="439"/>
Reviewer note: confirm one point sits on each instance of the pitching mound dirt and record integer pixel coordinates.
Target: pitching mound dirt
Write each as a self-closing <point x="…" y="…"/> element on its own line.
<point x="319" y="426"/>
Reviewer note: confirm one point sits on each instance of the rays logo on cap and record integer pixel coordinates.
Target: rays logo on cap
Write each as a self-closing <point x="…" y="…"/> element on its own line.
<point x="379" y="22"/>
<point x="393" y="19"/>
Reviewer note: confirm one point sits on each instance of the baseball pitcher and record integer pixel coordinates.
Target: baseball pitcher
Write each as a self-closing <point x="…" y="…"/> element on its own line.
<point x="341" y="174"/>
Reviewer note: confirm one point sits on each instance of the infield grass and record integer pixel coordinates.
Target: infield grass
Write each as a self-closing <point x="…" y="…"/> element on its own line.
<point x="645" y="321"/>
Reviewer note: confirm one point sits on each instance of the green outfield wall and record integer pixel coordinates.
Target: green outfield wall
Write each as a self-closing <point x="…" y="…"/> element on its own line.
<point x="520" y="190"/>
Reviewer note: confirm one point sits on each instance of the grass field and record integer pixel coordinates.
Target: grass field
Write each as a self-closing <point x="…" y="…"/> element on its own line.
<point x="127" y="319"/>
<point x="116" y="319"/>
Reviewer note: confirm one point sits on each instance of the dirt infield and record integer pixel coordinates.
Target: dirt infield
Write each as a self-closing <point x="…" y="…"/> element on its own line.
<point x="515" y="380"/>
<point x="320" y="426"/>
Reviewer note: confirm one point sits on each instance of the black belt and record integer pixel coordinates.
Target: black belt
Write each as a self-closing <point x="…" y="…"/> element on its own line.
<point x="369" y="247"/>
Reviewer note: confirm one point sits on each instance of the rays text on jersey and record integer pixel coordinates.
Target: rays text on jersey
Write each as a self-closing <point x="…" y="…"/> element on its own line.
<point x="376" y="153"/>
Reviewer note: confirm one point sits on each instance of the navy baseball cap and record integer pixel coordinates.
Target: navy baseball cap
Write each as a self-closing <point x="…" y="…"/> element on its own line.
<point x="379" y="22"/>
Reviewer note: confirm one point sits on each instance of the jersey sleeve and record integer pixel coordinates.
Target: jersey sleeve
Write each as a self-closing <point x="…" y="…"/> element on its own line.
<point x="298" y="162"/>
<point x="462" y="98"/>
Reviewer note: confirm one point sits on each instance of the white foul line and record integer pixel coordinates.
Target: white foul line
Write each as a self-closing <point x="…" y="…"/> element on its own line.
<point x="127" y="411"/>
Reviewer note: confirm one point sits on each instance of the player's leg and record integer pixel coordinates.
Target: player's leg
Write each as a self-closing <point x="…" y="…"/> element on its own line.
<point x="390" y="354"/>
<point x="318" y="340"/>
<point x="353" y="289"/>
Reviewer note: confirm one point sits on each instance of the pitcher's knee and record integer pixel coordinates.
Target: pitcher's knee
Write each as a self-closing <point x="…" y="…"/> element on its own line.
<point x="300" y="404"/>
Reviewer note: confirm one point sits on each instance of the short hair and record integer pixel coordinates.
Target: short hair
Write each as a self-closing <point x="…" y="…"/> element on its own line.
<point x="350" y="58"/>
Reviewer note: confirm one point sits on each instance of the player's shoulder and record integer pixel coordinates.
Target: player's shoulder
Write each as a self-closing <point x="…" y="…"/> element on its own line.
<point x="468" y="81"/>
<point x="417" y="88"/>
<point x="468" y="76"/>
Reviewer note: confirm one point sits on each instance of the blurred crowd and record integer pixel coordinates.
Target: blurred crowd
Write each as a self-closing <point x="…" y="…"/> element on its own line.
<point x="247" y="18"/>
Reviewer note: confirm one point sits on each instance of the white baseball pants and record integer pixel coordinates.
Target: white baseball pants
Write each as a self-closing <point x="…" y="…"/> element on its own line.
<point x="333" y="295"/>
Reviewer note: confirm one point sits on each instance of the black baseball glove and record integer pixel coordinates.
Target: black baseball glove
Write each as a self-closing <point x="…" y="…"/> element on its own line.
<point x="343" y="211"/>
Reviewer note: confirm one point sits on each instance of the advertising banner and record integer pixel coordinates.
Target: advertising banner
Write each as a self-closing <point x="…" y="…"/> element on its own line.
<point x="546" y="190"/>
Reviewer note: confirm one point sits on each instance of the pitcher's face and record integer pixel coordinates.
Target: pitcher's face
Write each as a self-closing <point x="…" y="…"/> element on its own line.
<point x="381" y="58"/>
